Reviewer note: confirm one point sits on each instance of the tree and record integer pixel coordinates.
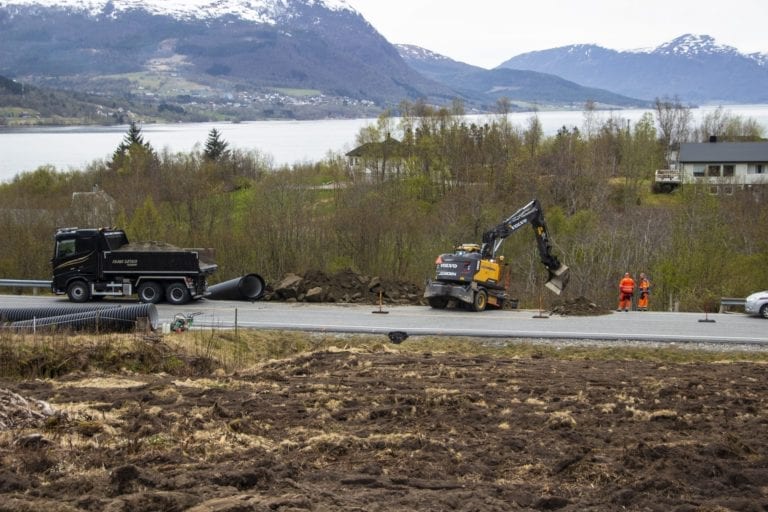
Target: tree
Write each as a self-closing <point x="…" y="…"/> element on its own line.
<point x="728" y="127"/>
<point x="132" y="140"/>
<point x="674" y="122"/>
<point x="215" y="147"/>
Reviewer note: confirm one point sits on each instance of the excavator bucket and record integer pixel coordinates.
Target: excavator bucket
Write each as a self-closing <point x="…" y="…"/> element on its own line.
<point x="558" y="279"/>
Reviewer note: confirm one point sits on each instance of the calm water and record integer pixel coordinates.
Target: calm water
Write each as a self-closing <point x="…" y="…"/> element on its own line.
<point x="287" y="142"/>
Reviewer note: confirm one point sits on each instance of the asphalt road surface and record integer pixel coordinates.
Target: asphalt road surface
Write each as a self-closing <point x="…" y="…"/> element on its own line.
<point x="730" y="328"/>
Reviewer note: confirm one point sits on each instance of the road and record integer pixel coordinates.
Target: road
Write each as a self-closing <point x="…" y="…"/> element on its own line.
<point x="729" y="328"/>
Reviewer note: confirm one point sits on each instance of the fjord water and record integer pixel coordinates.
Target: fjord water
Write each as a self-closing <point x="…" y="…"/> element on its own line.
<point x="286" y="142"/>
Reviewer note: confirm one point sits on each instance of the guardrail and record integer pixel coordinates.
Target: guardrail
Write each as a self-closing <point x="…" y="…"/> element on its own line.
<point x="727" y="302"/>
<point x="26" y="283"/>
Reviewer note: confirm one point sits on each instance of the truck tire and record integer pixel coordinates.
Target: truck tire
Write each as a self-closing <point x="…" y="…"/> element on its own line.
<point x="177" y="293"/>
<point x="480" y="301"/>
<point x="438" y="302"/>
<point x="150" y="292"/>
<point x="78" y="291"/>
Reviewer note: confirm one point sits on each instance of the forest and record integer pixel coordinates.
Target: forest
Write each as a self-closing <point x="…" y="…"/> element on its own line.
<point x="443" y="181"/>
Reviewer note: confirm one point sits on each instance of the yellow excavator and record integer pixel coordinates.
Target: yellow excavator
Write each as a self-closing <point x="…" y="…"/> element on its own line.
<point x="473" y="276"/>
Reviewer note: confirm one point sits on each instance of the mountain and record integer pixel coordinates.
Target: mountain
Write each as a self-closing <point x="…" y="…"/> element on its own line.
<point x="694" y="68"/>
<point x="524" y="89"/>
<point x="281" y="52"/>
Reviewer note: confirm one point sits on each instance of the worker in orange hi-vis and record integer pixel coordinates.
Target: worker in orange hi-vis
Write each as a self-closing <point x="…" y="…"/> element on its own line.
<point x="626" y="291"/>
<point x="644" y="286"/>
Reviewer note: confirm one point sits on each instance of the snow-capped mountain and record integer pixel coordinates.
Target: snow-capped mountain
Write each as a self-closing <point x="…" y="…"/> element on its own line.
<point x="524" y="89"/>
<point x="259" y="11"/>
<point x="229" y="47"/>
<point x="691" y="45"/>
<point x="695" y="68"/>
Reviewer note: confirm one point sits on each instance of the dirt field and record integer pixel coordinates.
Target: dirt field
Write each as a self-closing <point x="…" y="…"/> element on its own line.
<point x="384" y="430"/>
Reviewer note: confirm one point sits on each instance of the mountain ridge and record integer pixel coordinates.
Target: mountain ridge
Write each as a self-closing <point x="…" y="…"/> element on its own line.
<point x="694" y="68"/>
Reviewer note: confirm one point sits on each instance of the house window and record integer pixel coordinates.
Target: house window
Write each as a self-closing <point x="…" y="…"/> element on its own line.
<point x="698" y="171"/>
<point x="759" y="168"/>
<point x="713" y="171"/>
<point x="728" y="171"/>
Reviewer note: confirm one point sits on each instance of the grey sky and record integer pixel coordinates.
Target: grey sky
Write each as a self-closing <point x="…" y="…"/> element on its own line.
<point x="487" y="32"/>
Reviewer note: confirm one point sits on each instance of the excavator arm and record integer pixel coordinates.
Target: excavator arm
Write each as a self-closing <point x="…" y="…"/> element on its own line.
<point x="531" y="214"/>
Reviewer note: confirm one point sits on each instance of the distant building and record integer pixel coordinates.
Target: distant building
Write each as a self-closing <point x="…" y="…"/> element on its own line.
<point x="721" y="166"/>
<point x="377" y="160"/>
<point x="94" y="208"/>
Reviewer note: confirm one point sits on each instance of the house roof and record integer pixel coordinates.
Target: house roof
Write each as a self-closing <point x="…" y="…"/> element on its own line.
<point x="723" y="152"/>
<point x="390" y="146"/>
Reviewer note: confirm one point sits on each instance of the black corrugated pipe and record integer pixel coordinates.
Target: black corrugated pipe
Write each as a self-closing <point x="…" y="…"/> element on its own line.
<point x="248" y="287"/>
<point x="122" y="319"/>
<point x="18" y="314"/>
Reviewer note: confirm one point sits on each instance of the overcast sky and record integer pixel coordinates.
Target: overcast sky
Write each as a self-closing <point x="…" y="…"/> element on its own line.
<point x="488" y="32"/>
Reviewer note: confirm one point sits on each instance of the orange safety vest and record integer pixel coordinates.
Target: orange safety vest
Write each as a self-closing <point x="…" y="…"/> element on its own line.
<point x="627" y="285"/>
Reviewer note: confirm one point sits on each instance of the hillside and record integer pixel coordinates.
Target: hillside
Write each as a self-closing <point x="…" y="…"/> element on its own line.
<point x="273" y="57"/>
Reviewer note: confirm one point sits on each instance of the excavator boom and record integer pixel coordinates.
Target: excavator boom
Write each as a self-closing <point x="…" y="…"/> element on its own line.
<point x="531" y="214"/>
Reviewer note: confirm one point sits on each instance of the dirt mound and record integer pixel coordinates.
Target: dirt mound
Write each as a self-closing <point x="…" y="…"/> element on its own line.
<point x="343" y="286"/>
<point x="580" y="306"/>
<point x="387" y="430"/>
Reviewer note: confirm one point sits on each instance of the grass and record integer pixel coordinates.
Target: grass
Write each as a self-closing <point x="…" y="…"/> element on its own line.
<point x="207" y="352"/>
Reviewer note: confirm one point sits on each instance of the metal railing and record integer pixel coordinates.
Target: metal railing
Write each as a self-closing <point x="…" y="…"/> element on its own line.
<point x="727" y="302"/>
<point x="35" y="284"/>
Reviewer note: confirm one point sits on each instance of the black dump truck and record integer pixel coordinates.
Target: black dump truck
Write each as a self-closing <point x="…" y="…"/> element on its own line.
<point x="90" y="264"/>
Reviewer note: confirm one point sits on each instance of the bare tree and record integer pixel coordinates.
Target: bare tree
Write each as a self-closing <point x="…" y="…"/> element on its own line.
<point x="674" y="120"/>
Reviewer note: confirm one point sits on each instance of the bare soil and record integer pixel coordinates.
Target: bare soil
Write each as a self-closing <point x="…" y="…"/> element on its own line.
<point x="343" y="430"/>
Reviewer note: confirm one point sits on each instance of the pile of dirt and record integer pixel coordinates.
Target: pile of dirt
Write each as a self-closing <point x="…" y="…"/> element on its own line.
<point x="382" y="430"/>
<point x="344" y="286"/>
<point x="580" y="306"/>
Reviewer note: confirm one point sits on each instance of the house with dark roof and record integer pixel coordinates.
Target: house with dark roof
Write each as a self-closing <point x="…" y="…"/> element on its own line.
<point x="377" y="159"/>
<point x="723" y="165"/>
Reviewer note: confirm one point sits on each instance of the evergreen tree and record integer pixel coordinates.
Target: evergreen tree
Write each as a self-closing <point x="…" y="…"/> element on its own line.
<point x="132" y="139"/>
<point x="215" y="146"/>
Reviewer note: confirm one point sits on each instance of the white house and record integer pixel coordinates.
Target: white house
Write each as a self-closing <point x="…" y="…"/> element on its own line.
<point x="723" y="165"/>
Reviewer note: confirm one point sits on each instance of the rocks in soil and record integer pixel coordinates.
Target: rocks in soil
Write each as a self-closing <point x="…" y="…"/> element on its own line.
<point x="344" y="286"/>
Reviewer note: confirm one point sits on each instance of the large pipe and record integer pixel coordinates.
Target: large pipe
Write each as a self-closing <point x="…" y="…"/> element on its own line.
<point x="122" y="318"/>
<point x="249" y="287"/>
<point x="19" y="313"/>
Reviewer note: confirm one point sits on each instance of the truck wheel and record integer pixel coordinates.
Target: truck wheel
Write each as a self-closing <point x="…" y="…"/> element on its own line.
<point x="78" y="292"/>
<point x="150" y="292"/>
<point x="438" y="302"/>
<point x="481" y="300"/>
<point x="177" y="293"/>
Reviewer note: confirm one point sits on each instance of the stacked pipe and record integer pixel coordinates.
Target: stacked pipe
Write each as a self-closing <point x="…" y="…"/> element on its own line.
<point x="92" y="317"/>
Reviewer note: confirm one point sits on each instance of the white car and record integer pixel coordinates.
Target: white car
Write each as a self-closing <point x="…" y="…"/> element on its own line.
<point x="757" y="304"/>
